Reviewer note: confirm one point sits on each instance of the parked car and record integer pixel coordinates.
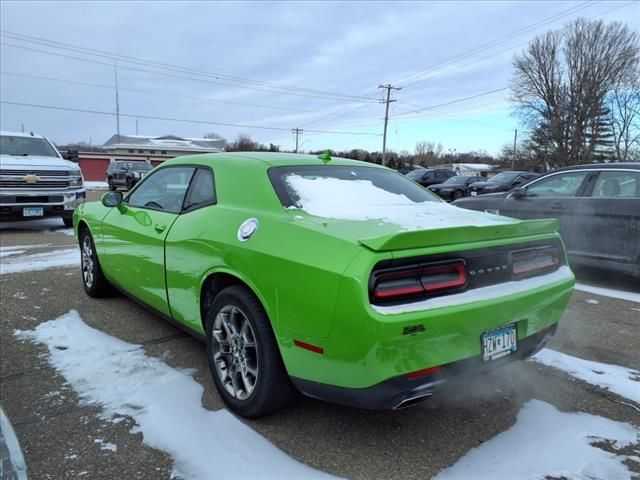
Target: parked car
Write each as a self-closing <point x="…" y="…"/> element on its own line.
<point x="502" y="182"/>
<point x="598" y="207"/>
<point x="126" y="173"/>
<point x="340" y="278"/>
<point x="35" y="181"/>
<point x="426" y="177"/>
<point x="454" y="187"/>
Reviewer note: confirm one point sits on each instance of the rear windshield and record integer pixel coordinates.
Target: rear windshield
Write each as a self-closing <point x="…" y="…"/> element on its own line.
<point x="300" y="185"/>
<point x="10" y="145"/>
<point x="505" y="177"/>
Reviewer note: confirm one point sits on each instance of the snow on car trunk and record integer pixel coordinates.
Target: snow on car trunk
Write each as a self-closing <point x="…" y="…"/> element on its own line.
<point x="361" y="200"/>
<point x="165" y="403"/>
<point x="546" y="443"/>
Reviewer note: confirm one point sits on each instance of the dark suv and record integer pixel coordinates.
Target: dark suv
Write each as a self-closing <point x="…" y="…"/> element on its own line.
<point x="126" y="173"/>
<point x="431" y="176"/>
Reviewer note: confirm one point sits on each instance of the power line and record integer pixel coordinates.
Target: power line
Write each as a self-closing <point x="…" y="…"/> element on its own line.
<point x="182" y="77"/>
<point x="451" y="102"/>
<point x="297" y="132"/>
<point x="139" y="90"/>
<point x="181" y="69"/>
<point x="171" y="119"/>
<point x="497" y="41"/>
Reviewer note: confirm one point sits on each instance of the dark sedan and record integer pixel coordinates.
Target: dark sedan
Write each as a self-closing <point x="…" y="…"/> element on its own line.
<point x="503" y="182"/>
<point x="455" y="187"/>
<point x="598" y="207"/>
<point x="431" y="176"/>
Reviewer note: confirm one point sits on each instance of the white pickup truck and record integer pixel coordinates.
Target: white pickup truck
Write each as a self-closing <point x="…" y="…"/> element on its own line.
<point x="35" y="181"/>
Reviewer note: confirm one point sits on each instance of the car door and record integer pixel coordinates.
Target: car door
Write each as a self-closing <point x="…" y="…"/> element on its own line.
<point x="606" y="221"/>
<point x="553" y="196"/>
<point x="133" y="235"/>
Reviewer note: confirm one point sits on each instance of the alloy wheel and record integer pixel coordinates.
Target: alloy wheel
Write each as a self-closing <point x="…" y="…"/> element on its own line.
<point x="235" y="352"/>
<point x="87" y="261"/>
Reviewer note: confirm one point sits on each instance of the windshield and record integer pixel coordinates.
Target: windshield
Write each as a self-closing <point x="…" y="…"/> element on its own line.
<point x="416" y="173"/>
<point x="296" y="186"/>
<point x="139" y="166"/>
<point x="18" y="145"/>
<point x="505" y="177"/>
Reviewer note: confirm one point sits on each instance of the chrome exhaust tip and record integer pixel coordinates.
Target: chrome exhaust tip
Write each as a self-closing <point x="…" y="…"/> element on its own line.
<point x="411" y="401"/>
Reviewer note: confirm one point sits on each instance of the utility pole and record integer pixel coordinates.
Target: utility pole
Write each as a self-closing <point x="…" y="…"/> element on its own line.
<point x="515" y="138"/>
<point x="136" y="126"/>
<point x="298" y="132"/>
<point x="115" y="71"/>
<point x="388" y="87"/>
<point x="22" y="128"/>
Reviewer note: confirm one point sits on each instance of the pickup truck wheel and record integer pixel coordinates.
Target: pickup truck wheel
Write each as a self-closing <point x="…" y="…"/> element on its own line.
<point x="243" y="355"/>
<point x="95" y="284"/>
<point x="68" y="221"/>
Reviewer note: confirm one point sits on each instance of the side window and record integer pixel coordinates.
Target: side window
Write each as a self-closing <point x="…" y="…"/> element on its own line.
<point x="560" y="185"/>
<point x="617" y="184"/>
<point x="202" y="190"/>
<point x="163" y="189"/>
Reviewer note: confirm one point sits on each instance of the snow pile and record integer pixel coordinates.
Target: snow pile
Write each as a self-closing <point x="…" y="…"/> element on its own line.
<point x="362" y="200"/>
<point x="609" y="292"/>
<point x="620" y="380"/>
<point x="491" y="292"/>
<point x="96" y="185"/>
<point x="545" y="442"/>
<point x="41" y="261"/>
<point x="165" y="403"/>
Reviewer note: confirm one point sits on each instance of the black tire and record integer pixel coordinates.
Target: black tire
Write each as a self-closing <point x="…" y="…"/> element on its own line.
<point x="112" y="187"/>
<point x="272" y="388"/>
<point x="98" y="286"/>
<point x="130" y="183"/>
<point x="458" y="194"/>
<point x="68" y="221"/>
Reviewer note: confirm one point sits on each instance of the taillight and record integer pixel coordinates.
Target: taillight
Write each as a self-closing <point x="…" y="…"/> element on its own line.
<point x="530" y="262"/>
<point x="419" y="280"/>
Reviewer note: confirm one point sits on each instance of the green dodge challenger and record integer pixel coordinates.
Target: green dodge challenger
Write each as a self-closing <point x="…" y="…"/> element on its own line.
<point x="341" y="279"/>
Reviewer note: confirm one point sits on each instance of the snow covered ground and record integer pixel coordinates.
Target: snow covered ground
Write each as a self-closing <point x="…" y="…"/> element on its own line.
<point x="165" y="403"/>
<point x="68" y="257"/>
<point x="609" y="292"/>
<point x="620" y="380"/>
<point x="545" y="442"/>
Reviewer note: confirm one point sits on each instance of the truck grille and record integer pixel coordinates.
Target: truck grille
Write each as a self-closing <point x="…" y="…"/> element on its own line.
<point x="41" y="183"/>
<point x="39" y="173"/>
<point x="34" y="179"/>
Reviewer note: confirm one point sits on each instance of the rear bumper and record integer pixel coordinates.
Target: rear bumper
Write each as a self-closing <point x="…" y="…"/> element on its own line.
<point x="399" y="391"/>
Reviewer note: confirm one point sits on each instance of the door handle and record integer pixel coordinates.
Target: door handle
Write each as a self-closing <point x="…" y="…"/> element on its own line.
<point x="160" y="228"/>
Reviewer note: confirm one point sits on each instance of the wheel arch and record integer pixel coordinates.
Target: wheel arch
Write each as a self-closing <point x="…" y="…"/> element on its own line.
<point x="216" y="280"/>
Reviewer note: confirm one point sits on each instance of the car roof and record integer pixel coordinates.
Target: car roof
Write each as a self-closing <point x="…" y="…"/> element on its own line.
<point x="268" y="159"/>
<point x="602" y="166"/>
<point x="7" y="133"/>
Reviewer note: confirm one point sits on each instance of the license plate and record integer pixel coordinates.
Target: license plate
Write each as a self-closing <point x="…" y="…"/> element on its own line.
<point x="499" y="343"/>
<point x="32" y="212"/>
<point x="473" y="194"/>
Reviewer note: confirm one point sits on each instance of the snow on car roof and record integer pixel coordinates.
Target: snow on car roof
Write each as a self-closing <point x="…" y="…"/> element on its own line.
<point x="7" y="133"/>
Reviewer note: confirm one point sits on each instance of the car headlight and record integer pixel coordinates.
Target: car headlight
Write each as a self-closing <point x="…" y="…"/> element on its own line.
<point x="76" y="178"/>
<point x="136" y="174"/>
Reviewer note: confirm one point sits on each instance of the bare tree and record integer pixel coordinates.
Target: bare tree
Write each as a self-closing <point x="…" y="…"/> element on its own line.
<point x="561" y="82"/>
<point x="624" y="117"/>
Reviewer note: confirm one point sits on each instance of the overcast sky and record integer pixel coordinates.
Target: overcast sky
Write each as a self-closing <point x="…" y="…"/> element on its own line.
<point x="316" y="66"/>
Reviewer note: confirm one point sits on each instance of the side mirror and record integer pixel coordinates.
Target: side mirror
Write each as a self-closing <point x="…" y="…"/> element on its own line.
<point x="518" y="192"/>
<point x="72" y="155"/>
<point x="112" y="199"/>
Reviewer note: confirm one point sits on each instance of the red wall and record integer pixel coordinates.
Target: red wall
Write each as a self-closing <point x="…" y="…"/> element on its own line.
<point x="94" y="169"/>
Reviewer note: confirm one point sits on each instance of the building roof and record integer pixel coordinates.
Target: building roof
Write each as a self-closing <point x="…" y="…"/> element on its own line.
<point x="165" y="142"/>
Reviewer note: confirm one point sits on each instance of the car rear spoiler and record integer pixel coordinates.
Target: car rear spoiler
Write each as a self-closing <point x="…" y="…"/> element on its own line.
<point x="456" y="235"/>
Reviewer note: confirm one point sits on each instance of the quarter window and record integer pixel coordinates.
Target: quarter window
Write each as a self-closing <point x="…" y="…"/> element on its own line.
<point x="202" y="191"/>
<point x="163" y="190"/>
<point x="560" y="185"/>
<point x="617" y="184"/>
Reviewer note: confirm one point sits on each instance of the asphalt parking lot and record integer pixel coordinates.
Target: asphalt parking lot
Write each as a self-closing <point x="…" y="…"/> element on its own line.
<point x="64" y="438"/>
